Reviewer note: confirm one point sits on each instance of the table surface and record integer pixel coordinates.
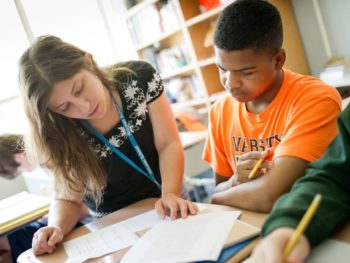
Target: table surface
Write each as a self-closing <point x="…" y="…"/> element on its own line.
<point x="253" y="218"/>
<point x="60" y="255"/>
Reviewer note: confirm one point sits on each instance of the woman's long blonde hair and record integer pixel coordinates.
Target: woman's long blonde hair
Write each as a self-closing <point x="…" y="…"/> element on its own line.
<point x="54" y="141"/>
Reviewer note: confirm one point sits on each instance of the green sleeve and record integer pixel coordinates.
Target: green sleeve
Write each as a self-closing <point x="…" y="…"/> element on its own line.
<point x="329" y="176"/>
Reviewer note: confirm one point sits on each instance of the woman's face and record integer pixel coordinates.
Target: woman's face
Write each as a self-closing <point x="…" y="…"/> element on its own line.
<point x="83" y="96"/>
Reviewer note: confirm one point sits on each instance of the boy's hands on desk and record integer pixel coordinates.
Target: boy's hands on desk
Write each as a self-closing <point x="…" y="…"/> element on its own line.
<point x="46" y="239"/>
<point x="170" y="204"/>
<point x="271" y="248"/>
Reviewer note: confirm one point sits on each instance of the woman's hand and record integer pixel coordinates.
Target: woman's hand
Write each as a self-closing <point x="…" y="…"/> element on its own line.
<point x="46" y="239"/>
<point x="270" y="249"/>
<point x="170" y="204"/>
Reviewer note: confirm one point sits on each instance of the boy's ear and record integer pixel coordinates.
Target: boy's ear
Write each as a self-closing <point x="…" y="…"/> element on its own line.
<point x="19" y="157"/>
<point x="280" y="58"/>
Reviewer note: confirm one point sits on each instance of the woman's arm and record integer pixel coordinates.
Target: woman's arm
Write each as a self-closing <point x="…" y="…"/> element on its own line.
<point x="171" y="158"/>
<point x="63" y="215"/>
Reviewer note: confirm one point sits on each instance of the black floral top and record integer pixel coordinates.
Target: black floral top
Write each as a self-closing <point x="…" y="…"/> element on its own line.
<point x="125" y="185"/>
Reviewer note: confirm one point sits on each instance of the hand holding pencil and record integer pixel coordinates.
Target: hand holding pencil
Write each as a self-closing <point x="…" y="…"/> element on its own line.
<point x="248" y="162"/>
<point x="286" y="244"/>
<point x="266" y="154"/>
<point x="305" y="221"/>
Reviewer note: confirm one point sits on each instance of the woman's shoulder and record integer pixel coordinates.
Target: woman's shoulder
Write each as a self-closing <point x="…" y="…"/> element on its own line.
<point x="139" y="74"/>
<point x="139" y="67"/>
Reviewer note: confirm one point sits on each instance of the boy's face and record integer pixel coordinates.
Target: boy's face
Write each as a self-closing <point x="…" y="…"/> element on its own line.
<point x="24" y="164"/>
<point x="249" y="75"/>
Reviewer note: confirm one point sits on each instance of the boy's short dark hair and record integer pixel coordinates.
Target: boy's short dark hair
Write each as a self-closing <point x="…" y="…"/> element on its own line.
<point x="249" y="24"/>
<point x="10" y="145"/>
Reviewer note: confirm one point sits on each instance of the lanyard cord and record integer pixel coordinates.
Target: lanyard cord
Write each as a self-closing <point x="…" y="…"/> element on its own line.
<point x="149" y="174"/>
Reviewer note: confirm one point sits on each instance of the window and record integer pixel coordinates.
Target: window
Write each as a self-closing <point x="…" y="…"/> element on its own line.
<point x="79" y="22"/>
<point x="13" y="44"/>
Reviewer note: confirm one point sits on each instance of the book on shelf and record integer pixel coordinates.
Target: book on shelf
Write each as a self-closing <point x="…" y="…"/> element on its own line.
<point x="22" y="207"/>
<point x="152" y="21"/>
<point x="168" y="16"/>
<point x="182" y="89"/>
<point x="150" y="56"/>
<point x="197" y="90"/>
<point x="170" y="59"/>
<point x="178" y="90"/>
<point x="165" y="60"/>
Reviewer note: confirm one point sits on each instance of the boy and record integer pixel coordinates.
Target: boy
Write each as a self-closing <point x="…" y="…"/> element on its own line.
<point x="13" y="159"/>
<point x="268" y="107"/>
<point x="13" y="162"/>
<point x="328" y="176"/>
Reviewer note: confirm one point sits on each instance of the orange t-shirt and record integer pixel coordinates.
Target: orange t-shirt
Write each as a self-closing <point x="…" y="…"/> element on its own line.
<point x="299" y="122"/>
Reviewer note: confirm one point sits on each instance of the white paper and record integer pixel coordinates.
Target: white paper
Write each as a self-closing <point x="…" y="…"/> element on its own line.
<point x="330" y="251"/>
<point x="199" y="237"/>
<point x="111" y="238"/>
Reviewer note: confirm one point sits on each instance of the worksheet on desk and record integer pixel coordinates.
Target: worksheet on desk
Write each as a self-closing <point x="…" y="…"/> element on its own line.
<point x="111" y="238"/>
<point x="196" y="238"/>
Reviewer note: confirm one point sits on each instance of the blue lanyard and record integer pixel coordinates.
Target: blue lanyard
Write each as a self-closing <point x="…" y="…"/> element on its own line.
<point x="149" y="174"/>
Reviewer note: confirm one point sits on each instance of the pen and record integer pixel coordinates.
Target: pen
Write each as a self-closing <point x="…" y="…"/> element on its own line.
<point x="257" y="165"/>
<point x="302" y="225"/>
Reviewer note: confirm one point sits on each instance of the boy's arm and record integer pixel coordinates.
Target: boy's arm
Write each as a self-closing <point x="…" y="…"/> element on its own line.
<point x="261" y="193"/>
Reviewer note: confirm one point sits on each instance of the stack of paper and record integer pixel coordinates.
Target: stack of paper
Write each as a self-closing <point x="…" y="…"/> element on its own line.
<point x="112" y="238"/>
<point x="127" y="233"/>
<point x="196" y="238"/>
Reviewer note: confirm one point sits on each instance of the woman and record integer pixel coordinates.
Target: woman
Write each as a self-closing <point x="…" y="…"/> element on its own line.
<point x="108" y="135"/>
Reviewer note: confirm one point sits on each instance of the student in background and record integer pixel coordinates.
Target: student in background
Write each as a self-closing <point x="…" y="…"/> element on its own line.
<point x="328" y="176"/>
<point x="107" y="134"/>
<point x="13" y="159"/>
<point x="268" y="106"/>
<point x="13" y="162"/>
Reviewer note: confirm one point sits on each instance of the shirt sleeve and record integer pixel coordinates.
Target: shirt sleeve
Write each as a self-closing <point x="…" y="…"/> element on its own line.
<point x="151" y="81"/>
<point x="310" y="127"/>
<point x="329" y="176"/>
<point x="214" y="152"/>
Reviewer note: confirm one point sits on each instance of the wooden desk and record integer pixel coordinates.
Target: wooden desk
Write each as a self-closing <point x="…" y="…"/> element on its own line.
<point x="256" y="219"/>
<point x="60" y="255"/>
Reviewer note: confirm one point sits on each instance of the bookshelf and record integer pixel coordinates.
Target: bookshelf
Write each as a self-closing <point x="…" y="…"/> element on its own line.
<point x="174" y="36"/>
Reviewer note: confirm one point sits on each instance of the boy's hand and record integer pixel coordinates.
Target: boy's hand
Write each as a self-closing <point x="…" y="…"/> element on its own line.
<point x="245" y="165"/>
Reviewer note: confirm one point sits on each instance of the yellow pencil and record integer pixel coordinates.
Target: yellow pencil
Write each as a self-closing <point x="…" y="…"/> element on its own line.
<point x="302" y="225"/>
<point x="257" y="165"/>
